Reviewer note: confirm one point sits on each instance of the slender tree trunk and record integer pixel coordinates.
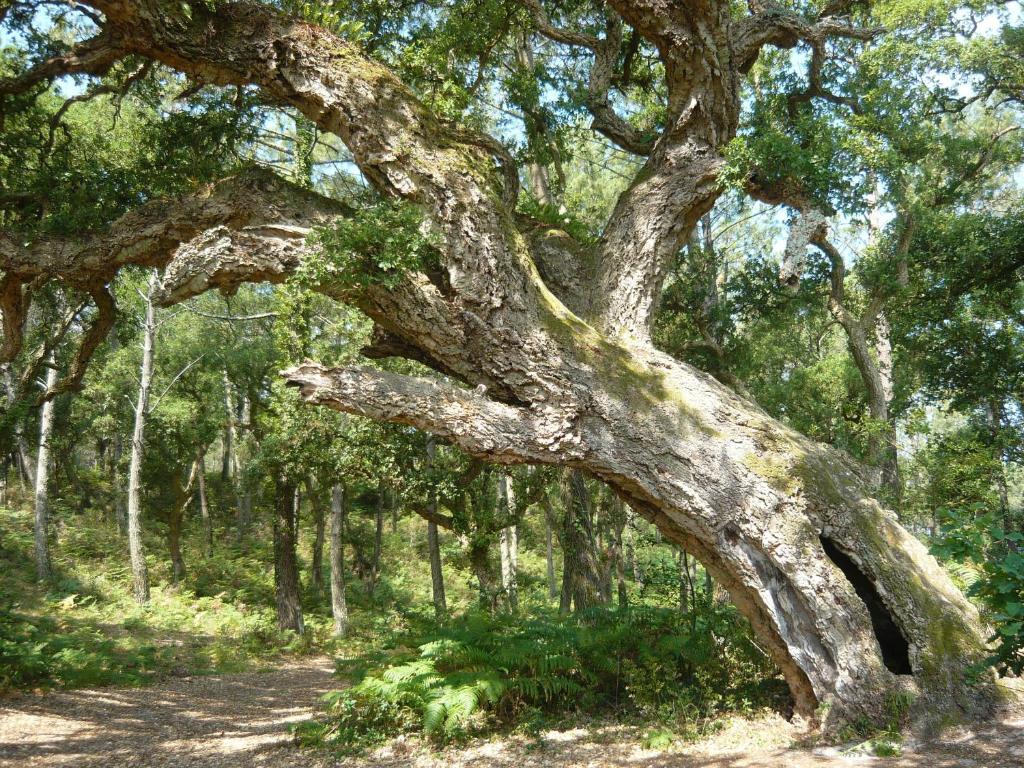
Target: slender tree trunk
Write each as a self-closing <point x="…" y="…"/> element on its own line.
<point x="42" y="498"/>
<point x="339" y="608"/>
<point x="286" y="564"/>
<point x="618" y="550"/>
<point x="373" y="572"/>
<point x="509" y="560"/>
<point x="887" y="441"/>
<point x="434" y="548"/>
<point x="4" y="479"/>
<point x="140" y="575"/>
<point x="393" y="503"/>
<point x="25" y="468"/>
<point x="480" y="562"/>
<point x="174" y="527"/>
<point x="120" y="502"/>
<point x="684" y="581"/>
<point x="177" y="519"/>
<point x="319" y="521"/>
<point x="243" y="497"/>
<point x="225" y="453"/>
<point x="581" y="578"/>
<point x="509" y="541"/>
<point x="204" y="505"/>
<point x="436" y="573"/>
<point x="549" y="534"/>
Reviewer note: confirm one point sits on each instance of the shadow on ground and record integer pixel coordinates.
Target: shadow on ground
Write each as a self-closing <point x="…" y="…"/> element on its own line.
<point x="242" y="720"/>
<point x="236" y="720"/>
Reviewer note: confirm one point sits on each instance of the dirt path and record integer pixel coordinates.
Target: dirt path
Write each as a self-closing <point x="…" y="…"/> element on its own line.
<point x="227" y="720"/>
<point x="242" y="720"/>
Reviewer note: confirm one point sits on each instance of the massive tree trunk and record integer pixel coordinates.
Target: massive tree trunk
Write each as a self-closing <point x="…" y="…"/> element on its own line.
<point x="136" y="552"/>
<point x="42" y="495"/>
<point x="339" y="608"/>
<point x="555" y="333"/>
<point x="286" y="562"/>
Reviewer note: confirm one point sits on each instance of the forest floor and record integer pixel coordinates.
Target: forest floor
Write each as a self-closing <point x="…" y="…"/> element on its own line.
<point x="243" y="720"/>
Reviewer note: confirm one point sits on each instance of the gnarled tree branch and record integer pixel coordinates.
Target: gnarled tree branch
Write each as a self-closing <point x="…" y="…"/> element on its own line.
<point x="480" y="426"/>
<point x="606" y="53"/>
<point x="94" y="56"/>
<point x="771" y="24"/>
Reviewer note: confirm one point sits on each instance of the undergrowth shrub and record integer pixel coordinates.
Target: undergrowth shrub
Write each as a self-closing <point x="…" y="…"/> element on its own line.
<point x="40" y="652"/>
<point x="484" y="672"/>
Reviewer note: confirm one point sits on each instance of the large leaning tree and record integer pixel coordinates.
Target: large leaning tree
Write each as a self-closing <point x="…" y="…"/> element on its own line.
<point x="543" y="339"/>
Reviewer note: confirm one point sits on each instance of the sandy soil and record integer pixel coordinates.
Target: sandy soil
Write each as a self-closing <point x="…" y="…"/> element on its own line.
<point x="243" y="719"/>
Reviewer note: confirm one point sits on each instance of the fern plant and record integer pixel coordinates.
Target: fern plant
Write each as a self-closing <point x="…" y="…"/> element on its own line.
<point x="485" y="671"/>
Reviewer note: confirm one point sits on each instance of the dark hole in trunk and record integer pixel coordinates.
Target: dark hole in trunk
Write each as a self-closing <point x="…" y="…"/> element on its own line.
<point x="895" y="649"/>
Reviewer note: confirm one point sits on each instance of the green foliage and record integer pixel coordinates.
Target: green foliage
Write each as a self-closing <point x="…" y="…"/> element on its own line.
<point x="485" y="671"/>
<point x="330" y="15"/>
<point x="375" y="246"/>
<point x="40" y="652"/>
<point x="85" y="628"/>
<point x="992" y="560"/>
<point x="556" y="217"/>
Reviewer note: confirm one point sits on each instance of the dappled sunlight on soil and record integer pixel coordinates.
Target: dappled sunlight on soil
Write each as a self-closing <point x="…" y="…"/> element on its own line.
<point x="225" y="720"/>
<point x="742" y="744"/>
<point x="243" y="720"/>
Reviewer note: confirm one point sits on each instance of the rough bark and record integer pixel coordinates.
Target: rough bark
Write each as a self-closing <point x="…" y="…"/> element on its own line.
<point x="787" y="526"/>
<point x="286" y="562"/>
<point x="339" y="608"/>
<point x="42" y="495"/>
<point x="136" y="551"/>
